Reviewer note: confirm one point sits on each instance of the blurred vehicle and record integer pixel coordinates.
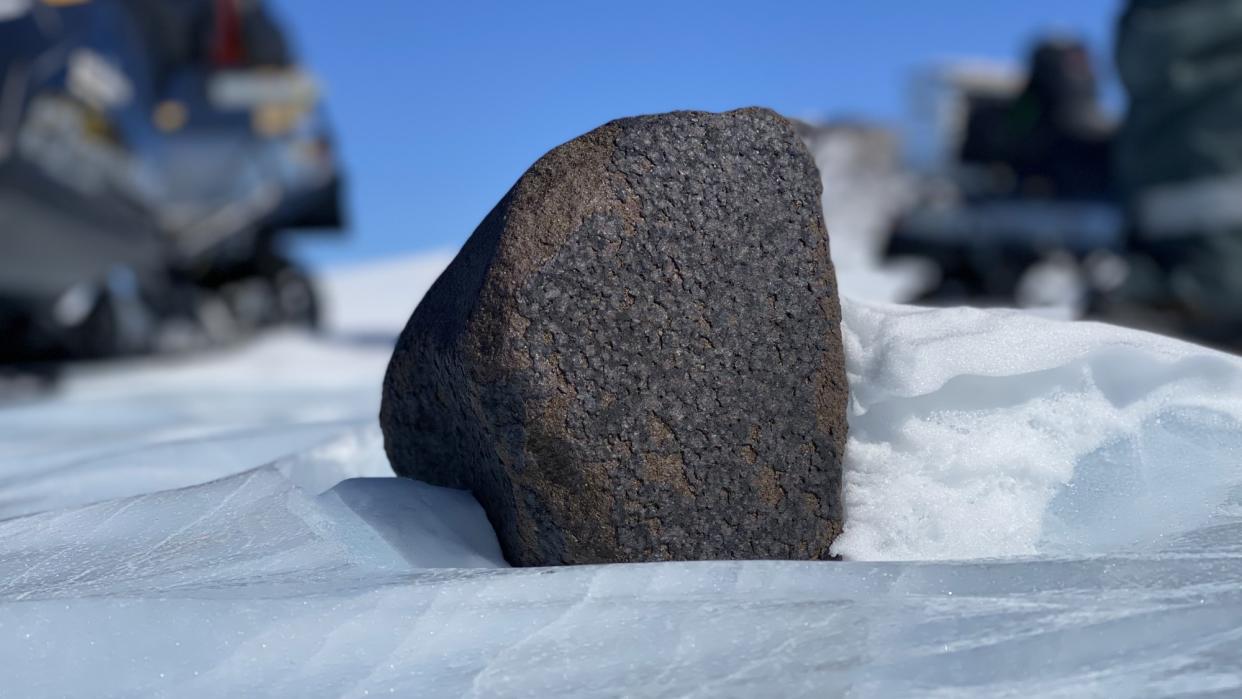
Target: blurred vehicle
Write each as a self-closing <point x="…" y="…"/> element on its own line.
<point x="151" y="152"/>
<point x="1024" y="210"/>
<point x="1179" y="169"/>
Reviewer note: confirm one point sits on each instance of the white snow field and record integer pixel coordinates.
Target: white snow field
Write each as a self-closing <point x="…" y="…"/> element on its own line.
<point x="1035" y="508"/>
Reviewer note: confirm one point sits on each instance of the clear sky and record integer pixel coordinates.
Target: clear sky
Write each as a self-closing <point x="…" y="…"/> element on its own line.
<point x="441" y="105"/>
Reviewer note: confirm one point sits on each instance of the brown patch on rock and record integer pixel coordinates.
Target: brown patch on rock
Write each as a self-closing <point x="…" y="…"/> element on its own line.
<point x="768" y="485"/>
<point x="669" y="470"/>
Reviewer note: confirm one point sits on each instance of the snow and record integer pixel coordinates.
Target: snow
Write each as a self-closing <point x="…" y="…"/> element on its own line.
<point x="1034" y="507"/>
<point x="376" y="298"/>
<point x="171" y="423"/>
<point x="996" y="433"/>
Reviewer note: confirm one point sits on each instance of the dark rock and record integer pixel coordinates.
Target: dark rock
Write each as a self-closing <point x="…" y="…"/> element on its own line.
<point x="637" y="355"/>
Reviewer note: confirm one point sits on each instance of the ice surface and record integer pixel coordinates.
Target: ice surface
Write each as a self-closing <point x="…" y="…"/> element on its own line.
<point x="246" y="587"/>
<point x="218" y="526"/>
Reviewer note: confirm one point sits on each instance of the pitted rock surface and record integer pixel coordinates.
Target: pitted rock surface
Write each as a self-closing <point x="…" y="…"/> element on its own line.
<point x="637" y="355"/>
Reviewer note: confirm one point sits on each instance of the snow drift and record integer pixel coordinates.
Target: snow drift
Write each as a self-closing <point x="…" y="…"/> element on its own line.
<point x="993" y="433"/>
<point x="217" y="526"/>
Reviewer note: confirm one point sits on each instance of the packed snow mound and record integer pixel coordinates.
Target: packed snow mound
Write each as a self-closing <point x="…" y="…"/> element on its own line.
<point x="224" y="525"/>
<point x="427" y="526"/>
<point x="253" y="528"/>
<point x="993" y="433"/>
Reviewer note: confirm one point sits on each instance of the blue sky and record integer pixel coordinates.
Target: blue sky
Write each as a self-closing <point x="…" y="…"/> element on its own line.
<point x="440" y="106"/>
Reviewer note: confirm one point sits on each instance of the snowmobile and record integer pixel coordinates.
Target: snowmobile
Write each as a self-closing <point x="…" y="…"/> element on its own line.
<point x="1025" y="212"/>
<point x="152" y="152"/>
